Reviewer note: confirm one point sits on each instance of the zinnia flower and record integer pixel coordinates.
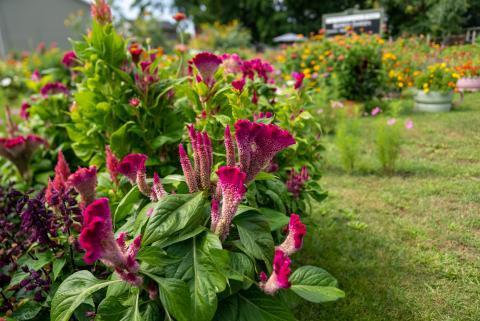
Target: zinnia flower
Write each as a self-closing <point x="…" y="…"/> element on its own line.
<point x="296" y="231"/>
<point x="279" y="278"/>
<point x="258" y="144"/>
<point x="207" y="64"/>
<point x="232" y="184"/>
<point x="84" y="180"/>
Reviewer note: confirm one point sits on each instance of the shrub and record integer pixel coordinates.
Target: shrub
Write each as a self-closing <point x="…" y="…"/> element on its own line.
<point x="388" y="140"/>
<point x="348" y="143"/>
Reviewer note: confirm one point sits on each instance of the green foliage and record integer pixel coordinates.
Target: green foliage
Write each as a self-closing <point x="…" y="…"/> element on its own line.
<point x="388" y="140"/>
<point x="225" y="38"/>
<point x="347" y="141"/>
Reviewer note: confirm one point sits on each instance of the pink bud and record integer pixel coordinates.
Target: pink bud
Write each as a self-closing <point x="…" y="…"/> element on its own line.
<point x="187" y="170"/>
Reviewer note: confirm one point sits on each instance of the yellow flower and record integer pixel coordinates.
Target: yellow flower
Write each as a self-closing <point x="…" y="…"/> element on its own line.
<point x="426" y="90"/>
<point x="425" y="85"/>
<point x="455" y="75"/>
<point x="316" y="68"/>
<point x="391" y="74"/>
<point x="400" y="84"/>
<point x="313" y="62"/>
<point x="307" y="71"/>
<point x="302" y="65"/>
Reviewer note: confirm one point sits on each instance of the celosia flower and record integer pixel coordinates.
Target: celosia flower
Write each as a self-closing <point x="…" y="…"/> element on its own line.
<point x="134" y="102"/>
<point x="261" y="115"/>
<point x="84" y="180"/>
<point x="238" y="84"/>
<point x="207" y="64"/>
<point x="157" y="189"/>
<point x="36" y="76"/>
<point x="135" y="51"/>
<point x="232" y="63"/>
<point x="179" y="16"/>
<point x="409" y="124"/>
<point x="68" y="59"/>
<point x="215" y="215"/>
<point x="232" y="184"/>
<point x="258" y="144"/>
<point x="296" y="181"/>
<point x="202" y="157"/>
<point x="229" y="147"/>
<point x="376" y="111"/>
<point x="130" y="165"/>
<point x="391" y="121"/>
<point x="187" y="170"/>
<point x="255" y="97"/>
<point x="112" y="164"/>
<point x="279" y="278"/>
<point x="24" y="110"/>
<point x="54" y="88"/>
<point x="296" y="231"/>
<point x="97" y="239"/>
<point x="298" y="76"/>
<point x="20" y="149"/>
<point x="62" y="173"/>
<point x="100" y="11"/>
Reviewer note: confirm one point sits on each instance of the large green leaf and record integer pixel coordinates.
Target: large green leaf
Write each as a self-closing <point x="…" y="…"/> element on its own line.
<point x="119" y="139"/>
<point x="175" y="297"/>
<point x="27" y="310"/>
<point x="128" y="204"/>
<point x="156" y="256"/>
<point x="73" y="292"/>
<point x="121" y="308"/>
<point x="315" y="284"/>
<point x="172" y="214"/>
<point x="255" y="235"/>
<point x="275" y="219"/>
<point x="253" y="305"/>
<point x="204" y="269"/>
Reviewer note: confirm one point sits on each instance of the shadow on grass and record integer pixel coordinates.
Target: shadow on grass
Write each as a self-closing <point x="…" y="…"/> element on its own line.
<point x="369" y="268"/>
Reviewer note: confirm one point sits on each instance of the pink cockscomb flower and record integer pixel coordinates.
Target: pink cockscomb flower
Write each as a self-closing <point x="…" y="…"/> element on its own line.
<point x="232" y="184"/>
<point x="409" y="124"/>
<point x="391" y="122"/>
<point x="298" y="76"/>
<point x="238" y="84"/>
<point x="100" y="11"/>
<point x="229" y="147"/>
<point x="24" y="110"/>
<point x="69" y="58"/>
<point x="376" y="111"/>
<point x="258" y="144"/>
<point x="187" y="170"/>
<point x="202" y="157"/>
<point x="261" y="115"/>
<point x="54" y="88"/>
<point x="112" y="164"/>
<point x="179" y="16"/>
<point x="130" y="165"/>
<point x="36" y="76"/>
<point x="134" y="102"/>
<point x="296" y="231"/>
<point x="98" y="240"/>
<point x="279" y="278"/>
<point x="207" y="64"/>
<point x="19" y="150"/>
<point x="254" y="97"/>
<point x="62" y="173"/>
<point x="158" y="191"/>
<point x="215" y="216"/>
<point x="296" y="181"/>
<point x="84" y="180"/>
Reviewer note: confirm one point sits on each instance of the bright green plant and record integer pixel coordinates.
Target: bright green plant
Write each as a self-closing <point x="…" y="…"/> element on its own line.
<point x="388" y="141"/>
<point x="437" y="77"/>
<point x="347" y="140"/>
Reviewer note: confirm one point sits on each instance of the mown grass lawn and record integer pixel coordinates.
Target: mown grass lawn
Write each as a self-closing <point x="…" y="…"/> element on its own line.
<point x="405" y="247"/>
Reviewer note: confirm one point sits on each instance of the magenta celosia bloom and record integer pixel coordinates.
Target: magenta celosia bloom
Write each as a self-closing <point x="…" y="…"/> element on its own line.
<point x="261" y="115"/>
<point x="232" y="63"/>
<point x="100" y="11"/>
<point x="279" y="278"/>
<point x="296" y="231"/>
<point x="112" y="164"/>
<point x="238" y="84"/>
<point x="62" y="173"/>
<point x="157" y="189"/>
<point x="229" y="147"/>
<point x="84" y="180"/>
<point x="207" y="64"/>
<point x="232" y="184"/>
<point x="36" y="76"/>
<point x="215" y="215"/>
<point x="409" y="124"/>
<point x="68" y="59"/>
<point x="202" y="158"/>
<point x="298" y="76"/>
<point x="24" y="110"/>
<point x="256" y="65"/>
<point x="296" y="181"/>
<point x="187" y="169"/>
<point x="54" y="88"/>
<point x="98" y="240"/>
<point x="258" y="144"/>
<point x="255" y="97"/>
<point x="131" y="164"/>
<point x="19" y="150"/>
<point x="376" y="111"/>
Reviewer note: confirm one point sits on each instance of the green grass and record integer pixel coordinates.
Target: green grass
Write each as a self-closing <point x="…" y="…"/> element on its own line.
<point x="407" y="246"/>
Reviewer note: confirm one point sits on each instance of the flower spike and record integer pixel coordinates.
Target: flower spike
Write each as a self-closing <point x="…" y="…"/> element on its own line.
<point x="279" y="278"/>
<point x="187" y="170"/>
<point x="84" y="180"/>
<point x="229" y="147"/>
<point x="296" y="231"/>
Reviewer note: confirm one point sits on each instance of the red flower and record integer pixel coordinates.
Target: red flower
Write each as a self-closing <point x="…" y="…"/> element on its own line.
<point x="19" y="150"/>
<point x="279" y="277"/>
<point x="68" y="59"/>
<point x="238" y="84"/>
<point x="84" y="180"/>
<point x="24" y="110"/>
<point x="296" y="231"/>
<point x="179" y="16"/>
<point x="131" y="164"/>
<point x="207" y="64"/>
<point x="135" y="51"/>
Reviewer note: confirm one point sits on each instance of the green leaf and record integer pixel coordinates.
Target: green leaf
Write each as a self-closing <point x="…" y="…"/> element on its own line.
<point x="120" y="308"/>
<point x="204" y="269"/>
<point x="156" y="256"/>
<point x="275" y="219"/>
<point x="315" y="284"/>
<point x="73" y="292"/>
<point x="174" y="213"/>
<point x="119" y="140"/>
<point x="27" y="310"/>
<point x="175" y="297"/>
<point x="128" y="204"/>
<point x="254" y="232"/>
<point x="58" y="265"/>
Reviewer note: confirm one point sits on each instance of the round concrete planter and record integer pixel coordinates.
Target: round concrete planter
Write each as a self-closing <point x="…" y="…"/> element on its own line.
<point x="433" y="101"/>
<point x="468" y="84"/>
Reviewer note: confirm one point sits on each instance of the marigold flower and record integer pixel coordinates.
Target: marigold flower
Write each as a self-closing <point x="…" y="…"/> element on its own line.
<point x="296" y="231"/>
<point x="279" y="278"/>
<point x="84" y="180"/>
<point x="207" y="64"/>
<point x="258" y="144"/>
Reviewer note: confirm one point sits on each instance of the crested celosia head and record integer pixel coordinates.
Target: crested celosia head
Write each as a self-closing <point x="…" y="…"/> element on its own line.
<point x="207" y="64"/>
<point x="112" y="164"/>
<point x="296" y="231"/>
<point x="20" y="149"/>
<point x="232" y="184"/>
<point x="68" y="59"/>
<point x="131" y="164"/>
<point x="98" y="240"/>
<point x="258" y="144"/>
<point x="100" y="11"/>
<point x="298" y="76"/>
<point x="84" y="181"/>
<point x="24" y="110"/>
<point x="279" y="278"/>
<point x="260" y="115"/>
<point x="296" y="181"/>
<point x="54" y="88"/>
<point x="238" y="84"/>
<point x="61" y="168"/>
